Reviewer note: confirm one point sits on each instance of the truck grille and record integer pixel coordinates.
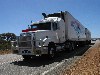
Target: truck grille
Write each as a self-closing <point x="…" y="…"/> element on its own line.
<point x="25" y="41"/>
<point x="25" y="38"/>
<point x="25" y="44"/>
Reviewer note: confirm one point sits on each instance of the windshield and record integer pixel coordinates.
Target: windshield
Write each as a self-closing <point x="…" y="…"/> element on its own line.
<point x="42" y="26"/>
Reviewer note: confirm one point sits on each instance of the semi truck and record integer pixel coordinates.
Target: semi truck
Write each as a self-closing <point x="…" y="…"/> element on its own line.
<point x="55" y="32"/>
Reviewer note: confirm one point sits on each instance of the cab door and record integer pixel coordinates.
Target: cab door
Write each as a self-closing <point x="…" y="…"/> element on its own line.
<point x="60" y="33"/>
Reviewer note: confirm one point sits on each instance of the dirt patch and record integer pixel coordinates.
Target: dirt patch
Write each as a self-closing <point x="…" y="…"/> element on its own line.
<point x="2" y="52"/>
<point x="88" y="65"/>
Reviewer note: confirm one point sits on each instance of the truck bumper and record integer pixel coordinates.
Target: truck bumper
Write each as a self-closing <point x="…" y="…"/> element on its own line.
<point x="29" y="51"/>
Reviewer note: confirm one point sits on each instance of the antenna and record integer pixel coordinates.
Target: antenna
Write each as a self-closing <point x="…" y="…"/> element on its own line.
<point x="28" y="27"/>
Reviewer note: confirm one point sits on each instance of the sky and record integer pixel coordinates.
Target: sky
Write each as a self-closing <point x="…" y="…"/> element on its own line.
<point x="16" y="15"/>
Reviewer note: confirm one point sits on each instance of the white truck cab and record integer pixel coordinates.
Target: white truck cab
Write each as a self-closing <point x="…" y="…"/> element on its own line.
<point x="36" y="39"/>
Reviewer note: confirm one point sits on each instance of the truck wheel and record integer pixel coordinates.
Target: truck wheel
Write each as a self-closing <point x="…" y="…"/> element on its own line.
<point x="71" y="46"/>
<point x="51" y="50"/>
<point x="52" y="53"/>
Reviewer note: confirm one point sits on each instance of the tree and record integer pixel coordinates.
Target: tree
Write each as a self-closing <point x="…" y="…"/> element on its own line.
<point x="8" y="36"/>
<point x="5" y="40"/>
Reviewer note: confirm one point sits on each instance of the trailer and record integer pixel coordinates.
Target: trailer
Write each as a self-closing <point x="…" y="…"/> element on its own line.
<point x="56" y="32"/>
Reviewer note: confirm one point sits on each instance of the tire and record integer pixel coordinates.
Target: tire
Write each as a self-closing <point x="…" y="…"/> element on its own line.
<point x="51" y="50"/>
<point x="71" y="46"/>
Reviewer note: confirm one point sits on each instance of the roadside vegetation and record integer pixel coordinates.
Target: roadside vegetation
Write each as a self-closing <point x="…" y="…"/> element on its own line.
<point x="5" y="42"/>
<point x="89" y="64"/>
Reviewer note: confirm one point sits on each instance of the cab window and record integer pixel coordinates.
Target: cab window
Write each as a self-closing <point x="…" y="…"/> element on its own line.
<point x="54" y="26"/>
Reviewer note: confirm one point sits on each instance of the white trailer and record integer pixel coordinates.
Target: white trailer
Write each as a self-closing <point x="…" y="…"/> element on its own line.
<point x="54" y="33"/>
<point x="74" y="30"/>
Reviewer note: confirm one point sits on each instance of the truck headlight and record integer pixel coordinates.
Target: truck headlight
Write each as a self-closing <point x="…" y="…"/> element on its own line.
<point x="16" y="46"/>
<point x="12" y="45"/>
<point x="39" y="46"/>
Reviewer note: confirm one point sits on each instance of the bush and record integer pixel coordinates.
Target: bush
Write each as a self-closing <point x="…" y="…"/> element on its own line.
<point x="5" y="40"/>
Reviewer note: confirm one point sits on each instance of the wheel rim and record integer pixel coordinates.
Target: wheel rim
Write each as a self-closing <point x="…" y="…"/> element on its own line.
<point x="52" y="52"/>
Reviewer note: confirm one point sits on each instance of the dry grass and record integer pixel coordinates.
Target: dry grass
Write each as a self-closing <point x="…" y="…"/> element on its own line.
<point x="2" y="52"/>
<point x="88" y="65"/>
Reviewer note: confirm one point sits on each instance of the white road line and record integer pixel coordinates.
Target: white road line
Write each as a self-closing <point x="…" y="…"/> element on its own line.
<point x="52" y="68"/>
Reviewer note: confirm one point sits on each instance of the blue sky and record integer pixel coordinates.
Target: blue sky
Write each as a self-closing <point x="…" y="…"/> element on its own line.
<point x="15" y="15"/>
